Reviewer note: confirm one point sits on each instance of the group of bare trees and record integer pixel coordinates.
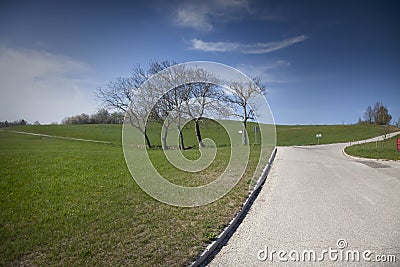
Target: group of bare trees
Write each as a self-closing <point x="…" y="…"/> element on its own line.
<point x="378" y="114"/>
<point x="100" y="117"/>
<point x="21" y="122"/>
<point x="192" y="95"/>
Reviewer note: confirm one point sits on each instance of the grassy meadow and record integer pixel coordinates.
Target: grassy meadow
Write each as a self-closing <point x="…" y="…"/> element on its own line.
<point x="289" y="135"/>
<point x="376" y="150"/>
<point x="69" y="203"/>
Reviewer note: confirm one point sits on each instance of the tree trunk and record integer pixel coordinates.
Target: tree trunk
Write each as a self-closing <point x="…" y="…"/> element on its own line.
<point x="244" y="133"/>
<point x="181" y="143"/>
<point x="164" y="138"/>
<point x="198" y="133"/>
<point x="147" y="139"/>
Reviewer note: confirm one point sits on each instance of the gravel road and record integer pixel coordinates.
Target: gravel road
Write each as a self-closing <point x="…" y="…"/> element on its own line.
<point x="314" y="198"/>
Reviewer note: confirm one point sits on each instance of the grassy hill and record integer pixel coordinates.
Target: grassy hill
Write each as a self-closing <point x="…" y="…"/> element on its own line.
<point x="376" y="150"/>
<point x="305" y="134"/>
<point x="286" y="134"/>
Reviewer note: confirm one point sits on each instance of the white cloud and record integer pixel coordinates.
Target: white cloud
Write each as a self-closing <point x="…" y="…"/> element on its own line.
<point x="271" y="73"/>
<point x="198" y="19"/>
<point x="37" y="85"/>
<point x="203" y="15"/>
<point x="257" y="48"/>
<point x="260" y="69"/>
<point x="214" y="46"/>
<point x="200" y="14"/>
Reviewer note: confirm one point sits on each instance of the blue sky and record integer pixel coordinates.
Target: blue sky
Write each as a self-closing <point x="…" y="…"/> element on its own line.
<point x="323" y="62"/>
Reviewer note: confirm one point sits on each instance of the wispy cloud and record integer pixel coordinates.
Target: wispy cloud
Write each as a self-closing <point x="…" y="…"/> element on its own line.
<point x="200" y="14"/>
<point x="204" y="15"/>
<point x="256" y="48"/>
<point x="197" y="44"/>
<point x="190" y="17"/>
<point x="272" y="73"/>
<point x="37" y="85"/>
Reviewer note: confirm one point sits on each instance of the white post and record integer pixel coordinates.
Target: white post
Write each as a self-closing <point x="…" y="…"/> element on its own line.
<point x="318" y="137"/>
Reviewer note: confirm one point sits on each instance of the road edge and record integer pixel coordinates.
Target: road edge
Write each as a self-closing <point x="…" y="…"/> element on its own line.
<point x="223" y="237"/>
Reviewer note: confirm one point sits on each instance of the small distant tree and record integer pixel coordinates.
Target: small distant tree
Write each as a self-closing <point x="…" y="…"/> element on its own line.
<point x="4" y="124"/>
<point x="36" y="123"/>
<point x="101" y="117"/>
<point x="117" y="117"/>
<point x="77" y="119"/>
<point x="369" y="115"/>
<point x="398" y="123"/>
<point x="20" y="122"/>
<point x="381" y="114"/>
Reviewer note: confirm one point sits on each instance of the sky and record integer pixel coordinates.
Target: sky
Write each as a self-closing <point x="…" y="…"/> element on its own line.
<point x="323" y="62"/>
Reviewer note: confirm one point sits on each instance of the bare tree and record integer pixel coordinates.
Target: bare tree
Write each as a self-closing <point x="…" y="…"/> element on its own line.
<point x="161" y="113"/>
<point x="123" y="95"/>
<point x="195" y="106"/>
<point x="242" y="93"/>
<point x="369" y="115"/>
<point x="191" y="92"/>
<point x="204" y="97"/>
<point x="169" y="83"/>
<point x="177" y="97"/>
<point x="118" y="95"/>
<point x="140" y="109"/>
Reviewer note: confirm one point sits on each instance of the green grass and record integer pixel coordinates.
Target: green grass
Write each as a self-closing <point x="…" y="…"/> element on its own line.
<point x="287" y="135"/>
<point x="74" y="203"/>
<point x="305" y="134"/>
<point x="102" y="132"/>
<point x="376" y="150"/>
<point x="113" y="132"/>
<point x="71" y="203"/>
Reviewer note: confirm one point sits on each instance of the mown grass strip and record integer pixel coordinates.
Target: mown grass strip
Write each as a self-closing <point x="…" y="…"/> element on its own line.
<point x="61" y="137"/>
